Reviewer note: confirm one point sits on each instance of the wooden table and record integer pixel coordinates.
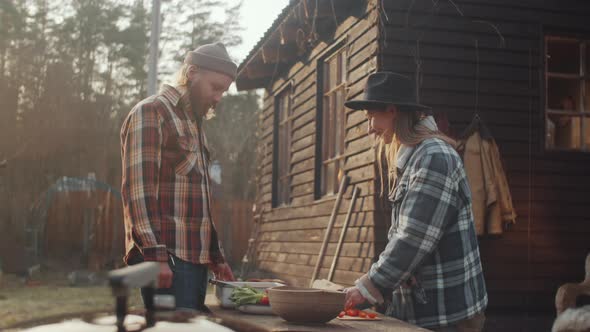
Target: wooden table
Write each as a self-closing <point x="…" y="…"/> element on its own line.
<point x="242" y="322"/>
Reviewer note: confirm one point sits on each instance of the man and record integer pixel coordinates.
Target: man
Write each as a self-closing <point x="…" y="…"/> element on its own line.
<point x="166" y="186"/>
<point x="430" y="272"/>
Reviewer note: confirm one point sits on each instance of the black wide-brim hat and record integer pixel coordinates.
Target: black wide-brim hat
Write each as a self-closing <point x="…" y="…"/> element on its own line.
<point x="387" y="88"/>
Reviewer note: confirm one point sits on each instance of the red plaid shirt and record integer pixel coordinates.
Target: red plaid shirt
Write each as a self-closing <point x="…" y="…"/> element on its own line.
<point x="165" y="189"/>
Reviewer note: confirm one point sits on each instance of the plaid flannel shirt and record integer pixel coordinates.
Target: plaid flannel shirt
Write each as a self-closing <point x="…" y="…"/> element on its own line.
<point x="431" y="264"/>
<point x="165" y="187"/>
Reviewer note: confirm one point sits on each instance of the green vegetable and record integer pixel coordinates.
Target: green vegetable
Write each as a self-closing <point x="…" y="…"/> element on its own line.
<point x="246" y="295"/>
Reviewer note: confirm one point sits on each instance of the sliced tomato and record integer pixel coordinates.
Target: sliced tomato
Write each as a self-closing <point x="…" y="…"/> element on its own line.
<point x="341" y="314"/>
<point x="362" y="314"/>
<point x="264" y="300"/>
<point x="371" y="315"/>
<point x="352" y="312"/>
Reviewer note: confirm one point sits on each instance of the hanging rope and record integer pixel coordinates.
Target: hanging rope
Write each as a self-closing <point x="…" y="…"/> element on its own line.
<point x="417" y="57"/>
<point x="384" y="12"/>
<point x="456" y="7"/>
<point x="502" y="40"/>
<point x="476" y="77"/>
<point x="381" y="18"/>
<point x="418" y="62"/>
<point x="530" y="171"/>
<point x="313" y="33"/>
<point x="334" y="13"/>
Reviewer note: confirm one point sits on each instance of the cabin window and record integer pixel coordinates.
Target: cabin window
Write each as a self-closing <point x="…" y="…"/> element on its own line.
<point x="567" y="95"/>
<point x="332" y="123"/>
<point x="282" y="149"/>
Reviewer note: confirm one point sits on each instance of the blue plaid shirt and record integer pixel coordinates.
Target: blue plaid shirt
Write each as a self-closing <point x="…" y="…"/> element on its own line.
<point x="432" y="241"/>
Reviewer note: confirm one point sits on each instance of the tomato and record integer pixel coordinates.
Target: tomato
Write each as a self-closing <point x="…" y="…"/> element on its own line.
<point x="362" y="314"/>
<point x="264" y="300"/>
<point x="341" y="314"/>
<point x="352" y="312"/>
<point x="371" y="315"/>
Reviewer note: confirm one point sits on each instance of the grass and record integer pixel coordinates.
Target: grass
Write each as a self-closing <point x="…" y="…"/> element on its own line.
<point x="53" y="297"/>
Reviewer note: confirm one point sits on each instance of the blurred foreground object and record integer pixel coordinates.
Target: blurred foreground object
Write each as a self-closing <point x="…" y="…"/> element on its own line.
<point x="569" y="317"/>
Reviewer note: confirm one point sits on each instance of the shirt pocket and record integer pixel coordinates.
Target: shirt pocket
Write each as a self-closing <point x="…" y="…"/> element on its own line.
<point x="396" y="202"/>
<point x="190" y="156"/>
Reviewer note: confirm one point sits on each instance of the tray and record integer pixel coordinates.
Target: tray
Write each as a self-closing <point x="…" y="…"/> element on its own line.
<point x="256" y="309"/>
<point x="223" y="290"/>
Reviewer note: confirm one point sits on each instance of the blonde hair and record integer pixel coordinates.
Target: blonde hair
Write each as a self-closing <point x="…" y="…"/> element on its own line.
<point x="181" y="76"/>
<point x="407" y="130"/>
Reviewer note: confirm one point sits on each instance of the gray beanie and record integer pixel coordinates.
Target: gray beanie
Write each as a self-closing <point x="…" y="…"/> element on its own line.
<point x="213" y="57"/>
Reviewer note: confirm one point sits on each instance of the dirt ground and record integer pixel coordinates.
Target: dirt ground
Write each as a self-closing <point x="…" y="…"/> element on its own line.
<point x="51" y="295"/>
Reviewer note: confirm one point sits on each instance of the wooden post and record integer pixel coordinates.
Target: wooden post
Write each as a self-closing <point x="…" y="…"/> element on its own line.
<point x="250" y="256"/>
<point x="355" y="194"/>
<point x="153" y="58"/>
<point x="341" y="191"/>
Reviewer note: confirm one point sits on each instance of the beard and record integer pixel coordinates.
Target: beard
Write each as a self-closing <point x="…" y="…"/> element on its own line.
<point x="197" y="105"/>
<point x="200" y="109"/>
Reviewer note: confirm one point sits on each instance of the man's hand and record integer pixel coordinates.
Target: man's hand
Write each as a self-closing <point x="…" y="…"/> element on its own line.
<point x="353" y="298"/>
<point x="165" y="276"/>
<point x="222" y="272"/>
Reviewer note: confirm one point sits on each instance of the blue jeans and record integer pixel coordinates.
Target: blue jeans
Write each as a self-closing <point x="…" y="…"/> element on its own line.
<point x="189" y="284"/>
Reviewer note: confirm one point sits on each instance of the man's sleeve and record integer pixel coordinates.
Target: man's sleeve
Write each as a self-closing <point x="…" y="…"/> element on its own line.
<point x="141" y="165"/>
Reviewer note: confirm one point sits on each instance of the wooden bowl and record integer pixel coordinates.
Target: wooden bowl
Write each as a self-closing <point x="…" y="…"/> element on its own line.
<point x="305" y="305"/>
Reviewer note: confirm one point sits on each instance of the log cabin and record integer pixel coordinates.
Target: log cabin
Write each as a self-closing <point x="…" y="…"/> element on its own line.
<point x="523" y="67"/>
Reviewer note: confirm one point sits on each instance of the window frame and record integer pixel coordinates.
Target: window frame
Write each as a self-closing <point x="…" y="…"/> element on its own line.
<point x="278" y="122"/>
<point x="583" y="77"/>
<point x="338" y="49"/>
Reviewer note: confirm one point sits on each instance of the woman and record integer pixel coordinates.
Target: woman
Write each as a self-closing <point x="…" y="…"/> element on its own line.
<point x="430" y="272"/>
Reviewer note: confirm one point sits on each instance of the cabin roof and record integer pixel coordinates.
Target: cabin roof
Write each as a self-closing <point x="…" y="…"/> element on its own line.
<point x="275" y="24"/>
<point x="297" y="29"/>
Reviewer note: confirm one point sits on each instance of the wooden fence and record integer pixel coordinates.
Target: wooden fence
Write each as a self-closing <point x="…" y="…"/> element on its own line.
<point x="85" y="229"/>
<point x="233" y="220"/>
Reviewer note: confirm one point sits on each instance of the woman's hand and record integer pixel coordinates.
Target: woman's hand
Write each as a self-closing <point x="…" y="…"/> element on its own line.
<point x="353" y="297"/>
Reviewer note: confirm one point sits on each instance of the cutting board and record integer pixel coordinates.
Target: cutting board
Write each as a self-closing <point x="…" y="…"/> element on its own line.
<point x="359" y="318"/>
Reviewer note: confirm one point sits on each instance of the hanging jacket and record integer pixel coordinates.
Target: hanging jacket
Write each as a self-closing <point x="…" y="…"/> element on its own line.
<point x="492" y="201"/>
